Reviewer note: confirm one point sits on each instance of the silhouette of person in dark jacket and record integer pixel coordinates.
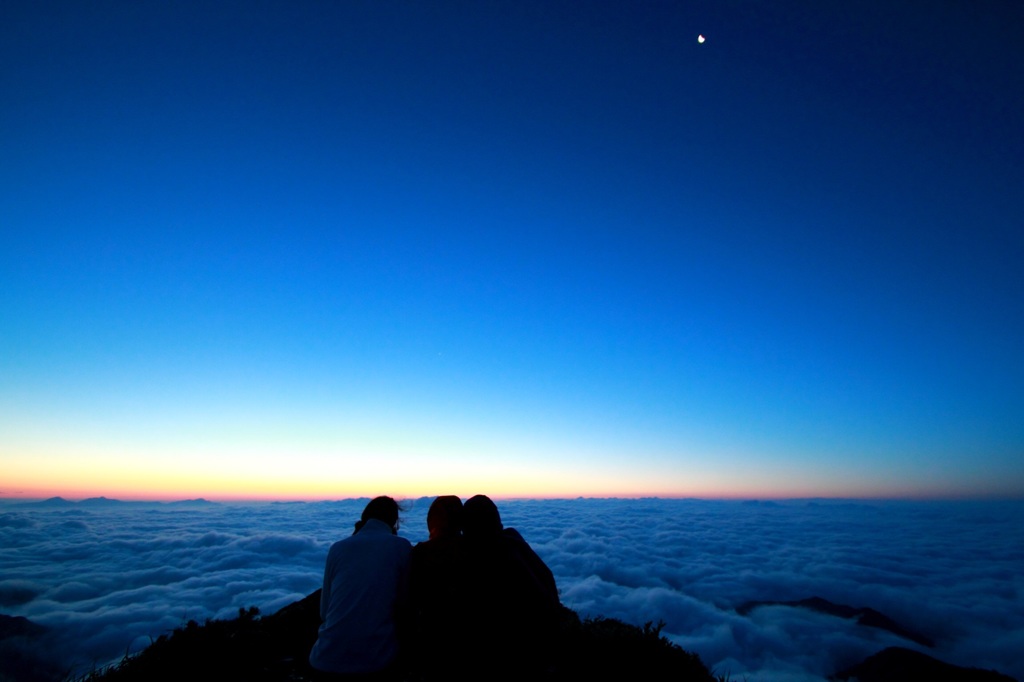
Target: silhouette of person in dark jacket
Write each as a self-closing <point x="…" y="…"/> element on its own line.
<point x="438" y="591"/>
<point x="512" y="602"/>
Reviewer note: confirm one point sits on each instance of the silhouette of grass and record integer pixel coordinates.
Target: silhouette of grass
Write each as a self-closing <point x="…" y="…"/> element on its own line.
<point x="606" y="648"/>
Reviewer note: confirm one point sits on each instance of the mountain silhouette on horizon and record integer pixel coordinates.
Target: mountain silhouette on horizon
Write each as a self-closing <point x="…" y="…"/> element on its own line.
<point x="109" y="502"/>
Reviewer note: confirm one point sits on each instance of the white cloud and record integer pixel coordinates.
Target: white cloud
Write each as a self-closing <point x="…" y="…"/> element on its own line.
<point x="109" y="579"/>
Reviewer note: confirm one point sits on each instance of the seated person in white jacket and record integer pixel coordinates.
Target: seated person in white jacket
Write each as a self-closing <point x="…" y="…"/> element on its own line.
<point x="365" y="585"/>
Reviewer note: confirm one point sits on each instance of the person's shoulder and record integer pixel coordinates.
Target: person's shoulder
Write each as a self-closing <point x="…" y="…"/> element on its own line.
<point x="340" y="546"/>
<point x="402" y="548"/>
<point x="341" y="541"/>
<point x="513" y="533"/>
<point x="512" y="539"/>
<point x="442" y="545"/>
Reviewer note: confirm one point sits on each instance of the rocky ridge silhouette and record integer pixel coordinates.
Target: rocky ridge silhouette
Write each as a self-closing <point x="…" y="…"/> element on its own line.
<point x="274" y="649"/>
<point x="867" y="617"/>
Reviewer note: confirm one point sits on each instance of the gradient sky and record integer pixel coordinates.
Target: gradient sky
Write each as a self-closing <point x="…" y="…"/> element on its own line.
<point x="312" y="249"/>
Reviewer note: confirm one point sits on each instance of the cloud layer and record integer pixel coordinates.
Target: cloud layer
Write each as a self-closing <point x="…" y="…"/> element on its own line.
<point x="109" y="579"/>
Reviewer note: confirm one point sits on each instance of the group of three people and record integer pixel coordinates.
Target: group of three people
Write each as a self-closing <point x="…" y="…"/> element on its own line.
<point x="471" y="600"/>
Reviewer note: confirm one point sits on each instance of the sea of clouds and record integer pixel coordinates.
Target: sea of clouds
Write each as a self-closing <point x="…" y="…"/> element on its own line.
<point x="108" y="578"/>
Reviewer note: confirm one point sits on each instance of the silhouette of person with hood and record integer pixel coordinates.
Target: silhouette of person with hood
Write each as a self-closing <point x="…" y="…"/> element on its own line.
<point x="512" y="601"/>
<point x="365" y="587"/>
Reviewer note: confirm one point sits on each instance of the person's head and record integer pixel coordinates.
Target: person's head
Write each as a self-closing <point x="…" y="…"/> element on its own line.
<point x="445" y="516"/>
<point x="381" y="508"/>
<point x="480" y="517"/>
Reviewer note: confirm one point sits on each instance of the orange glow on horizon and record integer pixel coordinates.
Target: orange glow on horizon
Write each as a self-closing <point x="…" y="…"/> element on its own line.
<point x="77" y="471"/>
<point x="297" y="493"/>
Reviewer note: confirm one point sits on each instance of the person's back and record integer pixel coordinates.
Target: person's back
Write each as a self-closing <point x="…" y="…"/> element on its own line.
<point x="365" y="583"/>
<point x="511" y="594"/>
<point x="438" y="591"/>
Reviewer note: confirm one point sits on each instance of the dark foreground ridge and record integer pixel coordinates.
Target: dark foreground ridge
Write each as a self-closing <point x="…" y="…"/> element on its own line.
<point x="864" y="616"/>
<point x="897" y="664"/>
<point x="274" y="649"/>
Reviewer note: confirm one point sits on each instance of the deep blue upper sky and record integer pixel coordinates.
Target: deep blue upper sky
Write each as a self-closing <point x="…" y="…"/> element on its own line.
<point x="540" y="242"/>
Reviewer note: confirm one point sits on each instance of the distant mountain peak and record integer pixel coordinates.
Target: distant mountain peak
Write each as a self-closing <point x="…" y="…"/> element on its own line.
<point x="50" y="502"/>
<point x="99" y="500"/>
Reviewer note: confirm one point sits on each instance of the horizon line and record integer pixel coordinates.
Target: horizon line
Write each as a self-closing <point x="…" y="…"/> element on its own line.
<point x="6" y="497"/>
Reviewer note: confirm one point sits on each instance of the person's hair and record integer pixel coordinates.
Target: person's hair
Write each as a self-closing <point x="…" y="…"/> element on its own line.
<point x="381" y="508"/>
<point x="480" y="517"/>
<point x="445" y="516"/>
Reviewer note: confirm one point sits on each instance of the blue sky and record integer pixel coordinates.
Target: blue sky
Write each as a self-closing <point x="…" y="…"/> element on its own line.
<point x="531" y="248"/>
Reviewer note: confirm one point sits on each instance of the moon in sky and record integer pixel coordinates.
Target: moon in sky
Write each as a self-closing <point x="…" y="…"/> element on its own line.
<point x="700" y="38"/>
